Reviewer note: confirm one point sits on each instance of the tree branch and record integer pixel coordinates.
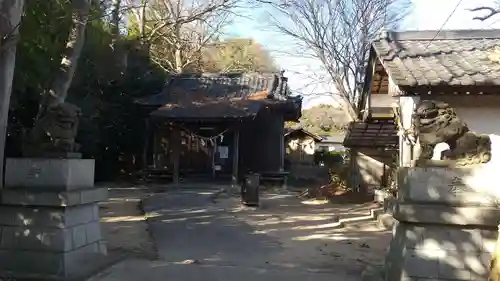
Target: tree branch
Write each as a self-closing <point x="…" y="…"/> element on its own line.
<point x="338" y="34"/>
<point x="491" y="12"/>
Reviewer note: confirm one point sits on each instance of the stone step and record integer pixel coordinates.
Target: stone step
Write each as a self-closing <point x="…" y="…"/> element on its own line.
<point x="371" y="216"/>
<point x="385" y="221"/>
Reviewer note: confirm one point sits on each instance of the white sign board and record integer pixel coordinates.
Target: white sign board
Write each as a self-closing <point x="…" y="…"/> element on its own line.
<point x="223" y="152"/>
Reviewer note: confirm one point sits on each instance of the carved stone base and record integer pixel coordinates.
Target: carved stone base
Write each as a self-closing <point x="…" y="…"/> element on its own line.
<point x="445" y="225"/>
<point x="49" y="220"/>
<point x="439" y="252"/>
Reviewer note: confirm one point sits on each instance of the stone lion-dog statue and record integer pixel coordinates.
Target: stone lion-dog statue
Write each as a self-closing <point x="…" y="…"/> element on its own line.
<point x="54" y="132"/>
<point x="438" y="124"/>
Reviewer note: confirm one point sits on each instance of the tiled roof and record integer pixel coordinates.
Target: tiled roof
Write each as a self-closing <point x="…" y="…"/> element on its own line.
<point x="234" y="108"/>
<point x="452" y="58"/>
<point x="298" y="128"/>
<point x="376" y="133"/>
<point x="186" y="88"/>
<point x="209" y="95"/>
<point x="333" y="139"/>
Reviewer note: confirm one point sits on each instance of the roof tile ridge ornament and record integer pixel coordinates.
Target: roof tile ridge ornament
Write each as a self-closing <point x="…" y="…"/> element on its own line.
<point x="384" y="34"/>
<point x="283" y="86"/>
<point x="271" y="92"/>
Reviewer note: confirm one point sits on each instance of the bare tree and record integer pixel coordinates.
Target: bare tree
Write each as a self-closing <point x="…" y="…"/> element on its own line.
<point x="10" y="19"/>
<point x="177" y="30"/>
<point x="237" y="55"/>
<point x="115" y="21"/>
<point x="338" y="34"/>
<point x="58" y="93"/>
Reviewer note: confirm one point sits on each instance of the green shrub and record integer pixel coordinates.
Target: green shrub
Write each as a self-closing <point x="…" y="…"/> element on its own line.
<point x="329" y="158"/>
<point x="337" y="163"/>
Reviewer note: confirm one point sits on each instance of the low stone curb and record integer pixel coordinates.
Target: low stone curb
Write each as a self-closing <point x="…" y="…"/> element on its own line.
<point x="338" y="221"/>
<point x="374" y="213"/>
<point x="385" y="221"/>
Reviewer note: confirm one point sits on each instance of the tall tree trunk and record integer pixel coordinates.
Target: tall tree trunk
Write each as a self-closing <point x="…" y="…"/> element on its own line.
<point x="10" y="19"/>
<point x="178" y="60"/>
<point x="120" y="53"/>
<point x="142" y="16"/>
<point x="59" y="90"/>
<point x="115" y="22"/>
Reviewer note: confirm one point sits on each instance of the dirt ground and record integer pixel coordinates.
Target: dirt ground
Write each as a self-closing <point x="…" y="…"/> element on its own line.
<point x="124" y="224"/>
<point x="307" y="231"/>
<point x="306" y="227"/>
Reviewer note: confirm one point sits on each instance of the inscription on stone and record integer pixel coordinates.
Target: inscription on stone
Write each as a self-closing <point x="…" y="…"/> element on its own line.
<point x="445" y="185"/>
<point x="457" y="186"/>
<point x="34" y="172"/>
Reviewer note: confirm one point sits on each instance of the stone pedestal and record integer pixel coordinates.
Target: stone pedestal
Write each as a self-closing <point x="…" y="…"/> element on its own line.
<point x="445" y="226"/>
<point x="49" y="219"/>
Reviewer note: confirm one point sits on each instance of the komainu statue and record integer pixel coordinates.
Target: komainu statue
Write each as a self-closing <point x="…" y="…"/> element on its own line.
<point x="438" y="123"/>
<point x="55" y="132"/>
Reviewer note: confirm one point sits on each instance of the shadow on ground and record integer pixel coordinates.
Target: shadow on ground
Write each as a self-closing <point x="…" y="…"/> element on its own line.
<point x="123" y="223"/>
<point x="198" y="238"/>
<point x="310" y="236"/>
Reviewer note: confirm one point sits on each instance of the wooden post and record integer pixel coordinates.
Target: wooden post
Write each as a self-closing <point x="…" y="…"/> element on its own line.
<point x="407" y="105"/>
<point x="147" y="136"/>
<point x="282" y="147"/>
<point x="156" y="146"/>
<point x="214" y="154"/>
<point x="236" y="152"/>
<point x="176" y="153"/>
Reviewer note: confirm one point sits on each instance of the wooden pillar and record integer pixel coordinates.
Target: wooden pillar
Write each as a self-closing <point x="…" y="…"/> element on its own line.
<point x="214" y="154"/>
<point x="236" y="155"/>
<point x="282" y="147"/>
<point x="156" y="145"/>
<point x="175" y="152"/>
<point x="407" y="105"/>
<point x="147" y="136"/>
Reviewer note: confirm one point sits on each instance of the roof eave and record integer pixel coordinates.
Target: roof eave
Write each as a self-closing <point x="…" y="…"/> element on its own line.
<point x="372" y="57"/>
<point x="312" y="135"/>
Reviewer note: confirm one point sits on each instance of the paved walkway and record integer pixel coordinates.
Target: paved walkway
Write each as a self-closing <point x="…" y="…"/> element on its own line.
<point x="202" y="240"/>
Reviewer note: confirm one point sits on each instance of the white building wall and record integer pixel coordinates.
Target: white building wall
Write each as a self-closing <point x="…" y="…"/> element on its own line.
<point x="482" y="120"/>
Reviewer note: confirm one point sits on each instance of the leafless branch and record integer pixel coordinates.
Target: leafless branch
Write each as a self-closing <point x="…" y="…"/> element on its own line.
<point x="338" y="34"/>
<point x="491" y="12"/>
<point x="177" y="30"/>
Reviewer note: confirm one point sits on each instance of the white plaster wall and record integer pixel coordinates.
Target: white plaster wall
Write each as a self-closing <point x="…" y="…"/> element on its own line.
<point x="330" y="147"/>
<point x="306" y="145"/>
<point x="481" y="113"/>
<point x="484" y="120"/>
<point x="381" y="100"/>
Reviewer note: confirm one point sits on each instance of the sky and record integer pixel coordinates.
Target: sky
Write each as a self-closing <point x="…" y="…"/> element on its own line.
<point x="424" y="15"/>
